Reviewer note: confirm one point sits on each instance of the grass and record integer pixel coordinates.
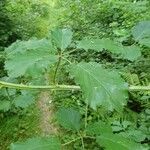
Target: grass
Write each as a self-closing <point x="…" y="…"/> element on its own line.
<point x="18" y="126"/>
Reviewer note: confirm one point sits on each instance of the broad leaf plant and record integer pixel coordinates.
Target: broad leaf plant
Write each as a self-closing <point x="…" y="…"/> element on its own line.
<point x="35" y="59"/>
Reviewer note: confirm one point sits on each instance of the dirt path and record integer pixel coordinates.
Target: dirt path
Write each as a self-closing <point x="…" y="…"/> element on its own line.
<point x="46" y="114"/>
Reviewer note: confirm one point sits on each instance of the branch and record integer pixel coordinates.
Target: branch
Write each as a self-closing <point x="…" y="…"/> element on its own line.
<point x="60" y="87"/>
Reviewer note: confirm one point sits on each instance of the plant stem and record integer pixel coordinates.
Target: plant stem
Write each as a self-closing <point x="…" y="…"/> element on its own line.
<point x="7" y="93"/>
<point x="86" y="112"/>
<point x="57" y="67"/>
<point x="60" y="87"/>
<point x="81" y="137"/>
<point x="74" y="50"/>
<point x="32" y="87"/>
<point x="139" y="88"/>
<point x="90" y="137"/>
<point x="67" y="60"/>
<point x="71" y="141"/>
<point x="82" y="143"/>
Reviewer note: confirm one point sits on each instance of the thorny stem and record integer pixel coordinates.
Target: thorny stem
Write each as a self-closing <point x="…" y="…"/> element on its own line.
<point x="32" y="87"/>
<point x="60" y="87"/>
<point x="139" y="88"/>
<point x="57" y="67"/>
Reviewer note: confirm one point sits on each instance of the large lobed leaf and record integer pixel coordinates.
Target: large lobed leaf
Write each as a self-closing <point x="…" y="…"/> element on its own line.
<point x="101" y="87"/>
<point x="141" y="30"/>
<point x="98" y="45"/>
<point x="23" y="55"/>
<point x="131" y="52"/>
<point x="69" y="118"/>
<point x="141" y="33"/>
<point x="37" y="144"/>
<point x="127" y="52"/>
<point x="34" y="44"/>
<point x="117" y="142"/>
<point x="62" y="38"/>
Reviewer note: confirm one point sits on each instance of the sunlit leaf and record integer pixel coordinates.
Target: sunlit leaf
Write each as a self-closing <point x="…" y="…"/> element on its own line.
<point x="62" y="38"/>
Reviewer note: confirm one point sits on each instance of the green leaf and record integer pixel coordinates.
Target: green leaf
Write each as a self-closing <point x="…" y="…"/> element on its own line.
<point x="62" y="38"/>
<point x="98" y="128"/>
<point x="98" y="45"/>
<point x="131" y="52"/>
<point x="145" y="42"/>
<point x="141" y="30"/>
<point x="126" y="52"/>
<point x="37" y="144"/>
<point x="32" y="44"/>
<point x="69" y="118"/>
<point x="5" y="105"/>
<point x="135" y="135"/>
<point x="101" y="87"/>
<point x="20" y="60"/>
<point x="117" y="142"/>
<point x="141" y="33"/>
<point x="86" y="44"/>
<point x="24" y="100"/>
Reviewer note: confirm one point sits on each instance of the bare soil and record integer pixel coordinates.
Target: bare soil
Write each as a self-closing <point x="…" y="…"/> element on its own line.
<point x="46" y="114"/>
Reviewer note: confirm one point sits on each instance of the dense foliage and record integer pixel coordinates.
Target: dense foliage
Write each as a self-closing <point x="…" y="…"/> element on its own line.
<point x="95" y="60"/>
